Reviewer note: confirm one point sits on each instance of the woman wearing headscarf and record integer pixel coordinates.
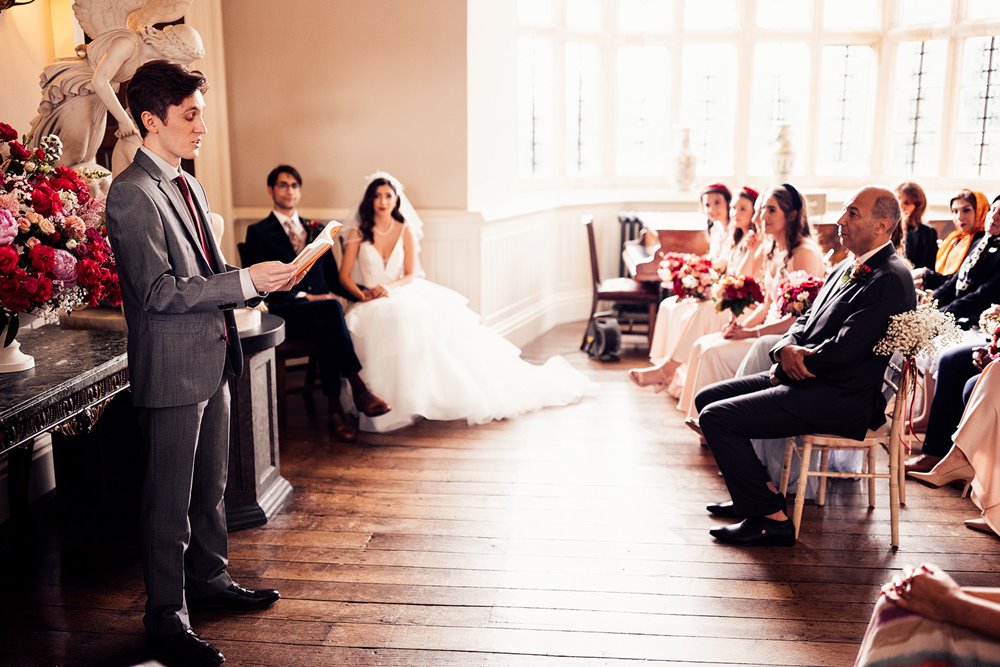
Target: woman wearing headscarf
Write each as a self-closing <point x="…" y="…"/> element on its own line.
<point x="968" y="210"/>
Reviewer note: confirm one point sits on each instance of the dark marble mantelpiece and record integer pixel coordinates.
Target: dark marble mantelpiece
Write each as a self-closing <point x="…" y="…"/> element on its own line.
<point x="75" y="370"/>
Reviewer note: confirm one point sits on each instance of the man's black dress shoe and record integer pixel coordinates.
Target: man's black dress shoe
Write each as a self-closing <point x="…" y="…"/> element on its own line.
<point x="185" y="648"/>
<point x="237" y="598"/>
<point x="725" y="510"/>
<point x="757" y="531"/>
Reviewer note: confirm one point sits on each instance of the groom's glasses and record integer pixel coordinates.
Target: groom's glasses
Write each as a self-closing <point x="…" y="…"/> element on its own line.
<point x="287" y="186"/>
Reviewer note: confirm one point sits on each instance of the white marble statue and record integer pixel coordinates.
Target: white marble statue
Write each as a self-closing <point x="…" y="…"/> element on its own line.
<point x="77" y="91"/>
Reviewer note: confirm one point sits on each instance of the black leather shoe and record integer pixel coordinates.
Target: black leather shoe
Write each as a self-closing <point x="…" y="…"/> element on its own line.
<point x="237" y="598"/>
<point x="725" y="510"/>
<point x="757" y="532"/>
<point x="185" y="648"/>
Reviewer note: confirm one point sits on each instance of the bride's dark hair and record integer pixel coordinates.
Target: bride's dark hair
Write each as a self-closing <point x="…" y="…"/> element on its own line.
<point x="366" y="211"/>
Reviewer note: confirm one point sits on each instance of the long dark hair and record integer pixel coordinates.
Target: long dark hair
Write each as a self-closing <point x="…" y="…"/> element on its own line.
<point x="796" y="220"/>
<point x="918" y="198"/>
<point x="366" y="211"/>
<point x="751" y="196"/>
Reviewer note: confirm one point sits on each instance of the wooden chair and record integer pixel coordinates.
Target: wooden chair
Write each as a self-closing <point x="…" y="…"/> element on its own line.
<point x="889" y="435"/>
<point x="618" y="290"/>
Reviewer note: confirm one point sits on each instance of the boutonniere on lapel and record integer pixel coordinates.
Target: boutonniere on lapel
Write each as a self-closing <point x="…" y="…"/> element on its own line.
<point x="859" y="273"/>
<point x="312" y="227"/>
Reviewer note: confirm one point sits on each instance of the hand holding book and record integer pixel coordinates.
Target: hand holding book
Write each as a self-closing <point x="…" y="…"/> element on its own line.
<point x="312" y="252"/>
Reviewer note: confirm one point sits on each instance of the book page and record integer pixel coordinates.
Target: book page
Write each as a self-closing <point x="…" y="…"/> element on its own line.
<point x="311" y="253"/>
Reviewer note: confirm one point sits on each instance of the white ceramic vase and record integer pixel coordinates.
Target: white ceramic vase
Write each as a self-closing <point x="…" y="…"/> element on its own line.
<point x="12" y="360"/>
<point x="684" y="173"/>
<point x="783" y="153"/>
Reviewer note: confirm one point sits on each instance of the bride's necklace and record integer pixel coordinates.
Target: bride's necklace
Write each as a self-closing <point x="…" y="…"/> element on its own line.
<point x="380" y="232"/>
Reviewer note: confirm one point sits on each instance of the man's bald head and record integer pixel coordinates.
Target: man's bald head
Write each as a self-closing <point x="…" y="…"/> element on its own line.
<point x="869" y="218"/>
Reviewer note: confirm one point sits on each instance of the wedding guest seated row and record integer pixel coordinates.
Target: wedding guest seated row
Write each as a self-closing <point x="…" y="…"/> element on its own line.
<point x="827" y="358"/>
<point x="788" y="247"/>
<point x="680" y="321"/>
<point x="310" y="310"/>
<point x="968" y="291"/>
<point x="923" y="617"/>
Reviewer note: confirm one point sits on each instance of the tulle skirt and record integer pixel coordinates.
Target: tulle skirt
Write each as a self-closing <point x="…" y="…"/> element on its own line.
<point x="426" y="354"/>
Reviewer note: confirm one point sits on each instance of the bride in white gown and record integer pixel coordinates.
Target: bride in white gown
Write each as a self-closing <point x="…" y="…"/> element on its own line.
<point x="423" y="351"/>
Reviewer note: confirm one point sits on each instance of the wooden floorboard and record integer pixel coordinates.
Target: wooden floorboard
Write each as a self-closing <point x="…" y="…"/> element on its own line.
<point x="574" y="536"/>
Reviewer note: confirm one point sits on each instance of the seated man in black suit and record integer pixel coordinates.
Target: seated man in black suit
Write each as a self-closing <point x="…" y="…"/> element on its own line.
<point x="827" y="378"/>
<point x="311" y="311"/>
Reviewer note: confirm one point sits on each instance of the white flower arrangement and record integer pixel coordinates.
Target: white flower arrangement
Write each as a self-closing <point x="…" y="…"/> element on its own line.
<point x="989" y="320"/>
<point x="920" y="332"/>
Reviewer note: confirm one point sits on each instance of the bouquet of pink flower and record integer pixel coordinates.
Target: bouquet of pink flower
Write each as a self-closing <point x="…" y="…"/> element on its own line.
<point x="54" y="252"/>
<point x="689" y="276"/>
<point x="736" y="294"/>
<point x="797" y="291"/>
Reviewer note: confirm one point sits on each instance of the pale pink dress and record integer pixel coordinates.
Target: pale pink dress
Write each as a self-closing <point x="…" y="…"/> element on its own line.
<point x="681" y="322"/>
<point x="977" y="437"/>
<point x="714" y="358"/>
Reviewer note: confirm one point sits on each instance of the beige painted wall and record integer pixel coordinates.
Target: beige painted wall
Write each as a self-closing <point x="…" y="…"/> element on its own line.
<point x="26" y="47"/>
<point x="340" y="88"/>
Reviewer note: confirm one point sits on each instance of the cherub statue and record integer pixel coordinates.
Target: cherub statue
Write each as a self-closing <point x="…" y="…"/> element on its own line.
<point x="77" y="91"/>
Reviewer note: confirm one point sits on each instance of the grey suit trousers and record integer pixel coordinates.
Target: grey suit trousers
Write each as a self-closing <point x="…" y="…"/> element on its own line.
<point x="183" y="512"/>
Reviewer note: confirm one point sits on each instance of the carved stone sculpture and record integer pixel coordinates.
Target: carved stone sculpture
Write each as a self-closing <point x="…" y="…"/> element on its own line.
<point x="77" y="92"/>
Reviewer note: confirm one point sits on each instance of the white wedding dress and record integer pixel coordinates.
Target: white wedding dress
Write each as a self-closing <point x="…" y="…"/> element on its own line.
<point x="426" y="354"/>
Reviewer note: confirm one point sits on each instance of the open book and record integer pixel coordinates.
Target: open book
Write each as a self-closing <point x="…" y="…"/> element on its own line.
<point x="323" y="242"/>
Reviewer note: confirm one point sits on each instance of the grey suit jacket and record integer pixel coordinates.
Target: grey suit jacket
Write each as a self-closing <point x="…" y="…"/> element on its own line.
<point x="178" y="310"/>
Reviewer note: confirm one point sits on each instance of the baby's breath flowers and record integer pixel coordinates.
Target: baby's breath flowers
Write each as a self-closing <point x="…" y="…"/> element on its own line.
<point x="920" y="332"/>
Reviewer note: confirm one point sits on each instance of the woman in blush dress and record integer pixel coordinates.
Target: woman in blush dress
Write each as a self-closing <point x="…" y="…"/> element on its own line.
<point x="717" y="356"/>
<point x="423" y="351"/>
<point x="976" y="453"/>
<point x="679" y="323"/>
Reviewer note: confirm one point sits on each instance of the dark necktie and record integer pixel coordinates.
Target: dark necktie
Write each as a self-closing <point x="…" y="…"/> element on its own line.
<point x="186" y="191"/>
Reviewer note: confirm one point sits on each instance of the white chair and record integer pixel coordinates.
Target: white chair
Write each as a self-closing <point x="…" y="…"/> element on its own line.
<point x="889" y="435"/>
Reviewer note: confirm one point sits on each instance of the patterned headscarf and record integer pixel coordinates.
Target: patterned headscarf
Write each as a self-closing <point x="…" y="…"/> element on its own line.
<point x="956" y="245"/>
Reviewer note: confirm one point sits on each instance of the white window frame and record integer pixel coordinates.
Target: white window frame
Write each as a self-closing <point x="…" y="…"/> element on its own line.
<point x="884" y="41"/>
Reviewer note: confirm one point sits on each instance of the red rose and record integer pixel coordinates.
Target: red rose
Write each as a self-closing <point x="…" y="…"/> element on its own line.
<point x="18" y="151"/>
<point x="7" y="133"/>
<point x="38" y="287"/>
<point x="42" y="257"/>
<point x="39" y="154"/>
<point x="114" y="291"/>
<point x="45" y="200"/>
<point x="88" y="273"/>
<point x="8" y="259"/>
<point x="13" y="297"/>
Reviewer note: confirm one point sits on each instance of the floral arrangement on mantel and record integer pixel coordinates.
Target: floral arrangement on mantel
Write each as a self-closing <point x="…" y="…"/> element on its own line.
<point x="54" y="251"/>
<point x="690" y="276"/>
<point x="919" y="332"/>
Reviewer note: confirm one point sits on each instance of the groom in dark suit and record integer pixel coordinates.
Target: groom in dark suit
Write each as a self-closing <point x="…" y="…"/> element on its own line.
<point x="310" y="311"/>
<point x="183" y="347"/>
<point x="826" y="379"/>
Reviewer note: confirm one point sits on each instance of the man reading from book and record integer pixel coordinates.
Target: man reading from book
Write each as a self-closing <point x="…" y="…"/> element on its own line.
<point x="310" y="310"/>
